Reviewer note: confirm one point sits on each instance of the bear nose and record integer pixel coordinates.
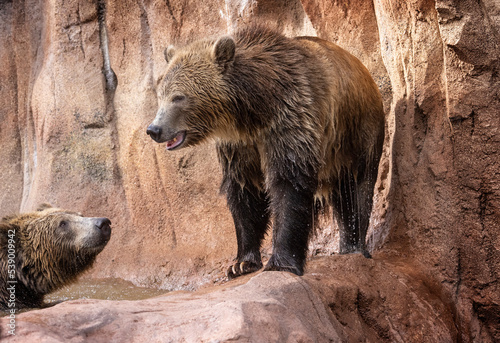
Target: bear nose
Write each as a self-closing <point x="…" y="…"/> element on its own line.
<point x="103" y="224"/>
<point x="154" y="132"/>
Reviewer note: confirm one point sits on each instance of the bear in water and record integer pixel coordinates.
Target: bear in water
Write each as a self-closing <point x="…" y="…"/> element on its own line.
<point x="45" y="250"/>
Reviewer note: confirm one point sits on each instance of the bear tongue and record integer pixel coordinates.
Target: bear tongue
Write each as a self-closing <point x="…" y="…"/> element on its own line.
<point x="178" y="140"/>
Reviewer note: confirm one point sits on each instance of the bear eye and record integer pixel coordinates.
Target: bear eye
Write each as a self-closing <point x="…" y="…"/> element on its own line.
<point x="178" y="98"/>
<point x="63" y="224"/>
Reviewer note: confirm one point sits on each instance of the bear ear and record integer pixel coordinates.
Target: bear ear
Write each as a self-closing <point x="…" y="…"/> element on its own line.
<point x="223" y="50"/>
<point x="169" y="53"/>
<point x="43" y="207"/>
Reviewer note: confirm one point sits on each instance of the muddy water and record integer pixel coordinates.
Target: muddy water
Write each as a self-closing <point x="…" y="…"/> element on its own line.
<point x="107" y="289"/>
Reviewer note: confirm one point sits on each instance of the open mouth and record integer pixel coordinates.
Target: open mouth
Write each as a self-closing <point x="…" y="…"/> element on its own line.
<point x="176" y="141"/>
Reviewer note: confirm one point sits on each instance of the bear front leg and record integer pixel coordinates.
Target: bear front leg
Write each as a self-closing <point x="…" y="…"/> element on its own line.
<point x="249" y="208"/>
<point x="292" y="206"/>
<point x="248" y="203"/>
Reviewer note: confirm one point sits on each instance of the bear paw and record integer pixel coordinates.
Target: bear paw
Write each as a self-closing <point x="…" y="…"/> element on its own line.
<point x="242" y="268"/>
<point x="284" y="266"/>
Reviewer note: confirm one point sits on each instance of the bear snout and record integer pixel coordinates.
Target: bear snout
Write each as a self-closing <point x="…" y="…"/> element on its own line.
<point x="104" y="225"/>
<point x="154" y="131"/>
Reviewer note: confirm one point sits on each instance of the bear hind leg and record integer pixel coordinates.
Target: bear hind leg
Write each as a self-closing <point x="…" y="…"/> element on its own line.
<point x="353" y="204"/>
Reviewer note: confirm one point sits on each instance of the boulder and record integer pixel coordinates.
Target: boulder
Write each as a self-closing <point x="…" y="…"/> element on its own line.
<point x="342" y="299"/>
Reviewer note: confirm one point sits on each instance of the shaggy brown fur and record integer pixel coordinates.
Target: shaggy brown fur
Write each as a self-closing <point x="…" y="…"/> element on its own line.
<point x="44" y="250"/>
<point x="295" y="119"/>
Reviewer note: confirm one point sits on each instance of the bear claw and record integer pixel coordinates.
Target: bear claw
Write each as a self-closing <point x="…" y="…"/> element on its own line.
<point x="242" y="268"/>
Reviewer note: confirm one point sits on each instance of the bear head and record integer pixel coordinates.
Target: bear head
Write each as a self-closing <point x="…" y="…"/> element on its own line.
<point x="193" y="95"/>
<point x="53" y="246"/>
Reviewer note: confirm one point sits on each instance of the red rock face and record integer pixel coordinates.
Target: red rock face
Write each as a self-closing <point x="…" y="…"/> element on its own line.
<point x="70" y="136"/>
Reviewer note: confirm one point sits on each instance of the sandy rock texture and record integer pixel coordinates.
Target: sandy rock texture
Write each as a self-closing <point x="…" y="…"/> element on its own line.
<point x="77" y="90"/>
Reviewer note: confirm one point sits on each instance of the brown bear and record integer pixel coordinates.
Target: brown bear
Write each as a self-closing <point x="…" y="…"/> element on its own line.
<point x="45" y="250"/>
<point x="297" y="122"/>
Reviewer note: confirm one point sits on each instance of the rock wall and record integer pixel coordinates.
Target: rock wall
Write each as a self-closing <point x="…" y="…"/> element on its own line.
<point x="77" y="91"/>
<point x="443" y="62"/>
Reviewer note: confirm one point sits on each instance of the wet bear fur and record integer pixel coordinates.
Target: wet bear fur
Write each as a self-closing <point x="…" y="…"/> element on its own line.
<point x="297" y="122"/>
<point x="45" y="250"/>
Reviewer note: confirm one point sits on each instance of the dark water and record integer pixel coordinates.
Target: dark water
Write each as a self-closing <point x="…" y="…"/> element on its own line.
<point x="107" y="289"/>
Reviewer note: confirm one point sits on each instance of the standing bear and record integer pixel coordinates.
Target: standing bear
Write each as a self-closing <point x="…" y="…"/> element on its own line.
<point x="45" y="250"/>
<point x="297" y="122"/>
